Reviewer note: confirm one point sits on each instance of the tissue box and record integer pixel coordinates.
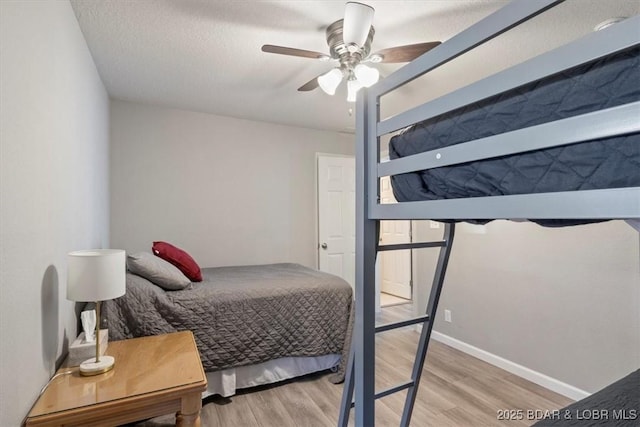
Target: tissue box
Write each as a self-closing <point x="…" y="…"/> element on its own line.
<point x="79" y="350"/>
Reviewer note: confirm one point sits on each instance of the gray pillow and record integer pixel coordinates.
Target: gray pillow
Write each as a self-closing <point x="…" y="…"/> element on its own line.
<point x="157" y="271"/>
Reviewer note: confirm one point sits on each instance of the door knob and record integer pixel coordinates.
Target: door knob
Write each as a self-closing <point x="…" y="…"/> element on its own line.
<point x="323" y="246"/>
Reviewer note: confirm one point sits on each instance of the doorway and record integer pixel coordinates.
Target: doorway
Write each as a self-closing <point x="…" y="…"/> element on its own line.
<point x="336" y="232"/>
<point x="395" y="266"/>
<point x="337" y="216"/>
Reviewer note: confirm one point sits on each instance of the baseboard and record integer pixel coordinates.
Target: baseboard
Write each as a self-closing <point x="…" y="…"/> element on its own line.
<point x="512" y="367"/>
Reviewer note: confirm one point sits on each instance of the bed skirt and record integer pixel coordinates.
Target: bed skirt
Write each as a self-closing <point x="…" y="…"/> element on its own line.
<point x="227" y="381"/>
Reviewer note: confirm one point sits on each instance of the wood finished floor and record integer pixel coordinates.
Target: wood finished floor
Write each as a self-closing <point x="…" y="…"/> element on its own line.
<point x="456" y="390"/>
<point x="387" y="300"/>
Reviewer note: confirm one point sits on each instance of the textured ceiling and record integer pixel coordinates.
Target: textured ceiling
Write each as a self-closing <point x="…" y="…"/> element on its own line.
<point x="204" y="55"/>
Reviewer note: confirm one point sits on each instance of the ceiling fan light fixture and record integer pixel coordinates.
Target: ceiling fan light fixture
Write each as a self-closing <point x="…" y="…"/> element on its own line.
<point x="349" y="41"/>
<point x="609" y="22"/>
<point x="366" y="75"/>
<point x="353" y="86"/>
<point x="329" y="82"/>
<point x="358" y="18"/>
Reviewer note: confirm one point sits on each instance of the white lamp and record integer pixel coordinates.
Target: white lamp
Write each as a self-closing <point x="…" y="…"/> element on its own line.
<point x="353" y="86"/>
<point x="96" y="275"/>
<point x="366" y="76"/>
<point x="357" y="22"/>
<point x="329" y="82"/>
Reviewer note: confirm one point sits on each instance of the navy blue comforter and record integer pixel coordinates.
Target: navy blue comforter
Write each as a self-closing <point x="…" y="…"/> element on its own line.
<point x="596" y="164"/>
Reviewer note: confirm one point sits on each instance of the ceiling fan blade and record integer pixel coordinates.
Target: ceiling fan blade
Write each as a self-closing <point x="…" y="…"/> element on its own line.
<point x="404" y="53"/>
<point x="269" y="48"/>
<point x="310" y="85"/>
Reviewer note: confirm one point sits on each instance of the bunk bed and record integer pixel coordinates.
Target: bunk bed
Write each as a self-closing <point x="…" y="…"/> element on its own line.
<point x="428" y="155"/>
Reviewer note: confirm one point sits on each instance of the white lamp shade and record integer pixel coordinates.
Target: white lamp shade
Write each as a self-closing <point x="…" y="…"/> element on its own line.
<point x="96" y="274"/>
<point x="367" y="76"/>
<point x="353" y="86"/>
<point x="329" y="82"/>
<point x="357" y="22"/>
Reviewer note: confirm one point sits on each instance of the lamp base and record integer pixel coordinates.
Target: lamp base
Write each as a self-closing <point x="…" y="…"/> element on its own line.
<point x="90" y="367"/>
<point x="80" y="350"/>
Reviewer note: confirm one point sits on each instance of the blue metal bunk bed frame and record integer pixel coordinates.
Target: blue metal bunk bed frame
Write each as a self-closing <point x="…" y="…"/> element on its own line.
<point x="614" y="203"/>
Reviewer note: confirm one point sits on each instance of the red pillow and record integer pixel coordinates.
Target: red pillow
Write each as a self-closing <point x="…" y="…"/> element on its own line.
<point x="179" y="258"/>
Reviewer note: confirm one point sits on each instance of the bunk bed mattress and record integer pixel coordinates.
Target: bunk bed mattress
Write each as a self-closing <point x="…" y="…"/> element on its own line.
<point x="617" y="405"/>
<point x="241" y="315"/>
<point x="596" y="164"/>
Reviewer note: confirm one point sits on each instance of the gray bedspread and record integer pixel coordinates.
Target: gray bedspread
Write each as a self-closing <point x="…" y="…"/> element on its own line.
<point x="242" y="315"/>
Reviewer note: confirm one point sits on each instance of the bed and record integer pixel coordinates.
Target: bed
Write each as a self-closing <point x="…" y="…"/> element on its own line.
<point x="617" y="405"/>
<point x="488" y="151"/>
<point x="595" y="164"/>
<point x="252" y="324"/>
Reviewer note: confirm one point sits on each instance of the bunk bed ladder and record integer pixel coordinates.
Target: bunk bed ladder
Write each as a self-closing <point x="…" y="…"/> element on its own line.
<point x="423" y="343"/>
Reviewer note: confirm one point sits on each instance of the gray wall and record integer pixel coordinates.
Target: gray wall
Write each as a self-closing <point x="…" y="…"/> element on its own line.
<point x="229" y="191"/>
<point x="54" y="121"/>
<point x="564" y="302"/>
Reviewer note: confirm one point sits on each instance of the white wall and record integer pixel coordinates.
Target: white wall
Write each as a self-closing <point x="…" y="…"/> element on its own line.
<point x="228" y="191"/>
<point x="564" y="302"/>
<point x="54" y="121"/>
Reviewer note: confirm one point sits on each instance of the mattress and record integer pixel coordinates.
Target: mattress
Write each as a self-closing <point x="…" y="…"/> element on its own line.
<point x="242" y="315"/>
<point x="597" y="164"/>
<point x="617" y="405"/>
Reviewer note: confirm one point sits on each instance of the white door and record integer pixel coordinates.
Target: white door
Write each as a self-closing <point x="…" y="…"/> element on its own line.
<point x="337" y="216"/>
<point x="395" y="265"/>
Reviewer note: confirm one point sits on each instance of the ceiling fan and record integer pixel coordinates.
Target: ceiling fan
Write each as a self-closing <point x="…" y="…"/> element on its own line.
<point x="349" y="41"/>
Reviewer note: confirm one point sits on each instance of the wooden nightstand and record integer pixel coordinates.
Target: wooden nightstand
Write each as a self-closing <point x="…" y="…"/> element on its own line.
<point x="152" y="376"/>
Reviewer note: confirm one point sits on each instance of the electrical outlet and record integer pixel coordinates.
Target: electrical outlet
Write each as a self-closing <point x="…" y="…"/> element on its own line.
<point x="434" y="224"/>
<point x="447" y="316"/>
